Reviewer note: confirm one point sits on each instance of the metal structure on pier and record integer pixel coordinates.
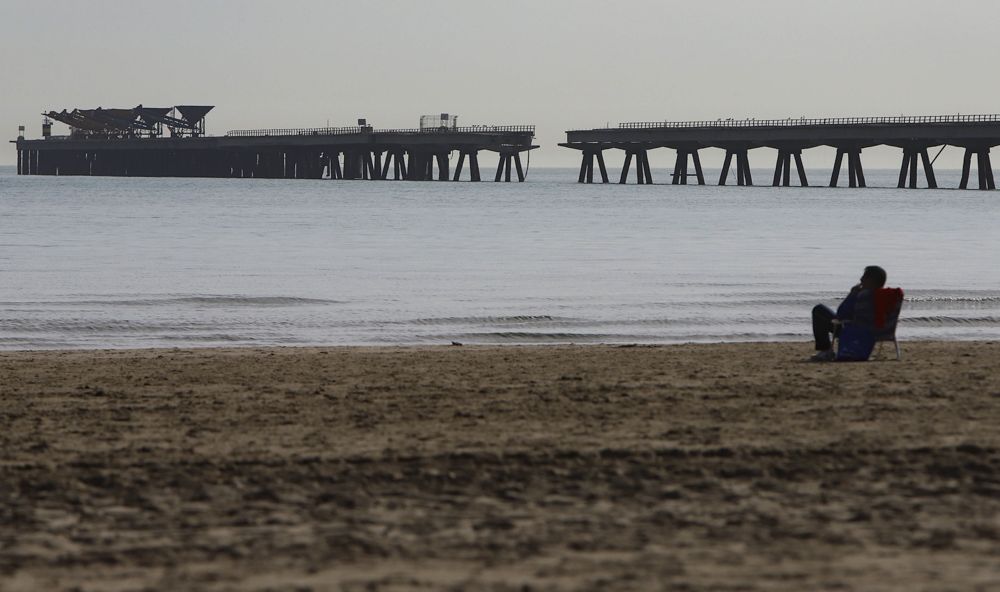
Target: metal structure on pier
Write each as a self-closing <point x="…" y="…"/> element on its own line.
<point x="915" y="136"/>
<point x="138" y="122"/>
<point x="131" y="142"/>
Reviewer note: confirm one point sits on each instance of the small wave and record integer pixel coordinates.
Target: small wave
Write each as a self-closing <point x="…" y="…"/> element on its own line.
<point x="954" y="299"/>
<point x="945" y="321"/>
<point x="68" y="326"/>
<point x="203" y="300"/>
<point x="539" y="321"/>
<point x="517" y="337"/>
<point x="538" y="337"/>
<point x="208" y="338"/>
<point x="488" y="320"/>
<point x="76" y="326"/>
<point x="38" y="344"/>
<point x="254" y="300"/>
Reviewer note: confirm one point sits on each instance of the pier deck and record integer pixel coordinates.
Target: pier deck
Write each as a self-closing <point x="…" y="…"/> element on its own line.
<point x="977" y="134"/>
<point x="315" y="153"/>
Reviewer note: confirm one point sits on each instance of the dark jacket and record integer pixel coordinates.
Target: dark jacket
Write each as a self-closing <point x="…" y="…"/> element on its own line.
<point x="858" y="307"/>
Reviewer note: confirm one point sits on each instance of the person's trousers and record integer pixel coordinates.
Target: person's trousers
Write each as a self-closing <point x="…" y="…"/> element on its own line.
<point x="823" y="326"/>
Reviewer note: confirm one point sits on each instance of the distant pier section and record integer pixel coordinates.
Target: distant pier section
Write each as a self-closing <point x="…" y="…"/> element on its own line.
<point x="915" y="136"/>
<point x="171" y="142"/>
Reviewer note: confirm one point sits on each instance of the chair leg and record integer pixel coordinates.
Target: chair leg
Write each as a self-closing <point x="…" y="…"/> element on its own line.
<point x="899" y="354"/>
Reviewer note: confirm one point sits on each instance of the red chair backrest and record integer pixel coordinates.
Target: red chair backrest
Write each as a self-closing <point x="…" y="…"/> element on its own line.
<point x="888" y="303"/>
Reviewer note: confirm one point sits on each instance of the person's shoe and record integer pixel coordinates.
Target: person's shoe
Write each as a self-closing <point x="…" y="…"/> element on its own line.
<point x="827" y="355"/>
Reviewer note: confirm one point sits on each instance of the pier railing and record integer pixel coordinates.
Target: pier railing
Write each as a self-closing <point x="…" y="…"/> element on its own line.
<point x="469" y="129"/>
<point x="804" y="122"/>
<point x="310" y="131"/>
<point x="341" y="131"/>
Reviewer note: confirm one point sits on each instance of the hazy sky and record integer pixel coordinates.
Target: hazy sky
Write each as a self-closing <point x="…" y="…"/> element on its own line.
<point x="560" y="64"/>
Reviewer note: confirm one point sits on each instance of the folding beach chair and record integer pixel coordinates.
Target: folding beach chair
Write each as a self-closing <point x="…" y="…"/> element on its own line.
<point x="888" y="304"/>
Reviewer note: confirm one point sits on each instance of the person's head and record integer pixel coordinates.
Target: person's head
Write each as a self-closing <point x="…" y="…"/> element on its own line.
<point x="873" y="277"/>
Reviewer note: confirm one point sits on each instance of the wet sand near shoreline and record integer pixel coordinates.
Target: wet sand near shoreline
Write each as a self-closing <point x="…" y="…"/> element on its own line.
<point x="691" y="467"/>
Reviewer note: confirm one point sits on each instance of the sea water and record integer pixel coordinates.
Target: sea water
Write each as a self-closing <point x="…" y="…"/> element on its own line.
<point x="102" y="262"/>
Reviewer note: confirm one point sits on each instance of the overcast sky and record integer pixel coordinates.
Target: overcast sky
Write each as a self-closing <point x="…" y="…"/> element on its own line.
<point x="560" y="64"/>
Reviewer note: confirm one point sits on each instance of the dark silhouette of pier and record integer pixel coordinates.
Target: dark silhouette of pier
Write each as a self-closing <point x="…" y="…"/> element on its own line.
<point x="132" y="142"/>
<point x="915" y="136"/>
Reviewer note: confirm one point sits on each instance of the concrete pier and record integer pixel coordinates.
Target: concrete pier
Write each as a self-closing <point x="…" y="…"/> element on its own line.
<point x="344" y="153"/>
<point x="914" y="136"/>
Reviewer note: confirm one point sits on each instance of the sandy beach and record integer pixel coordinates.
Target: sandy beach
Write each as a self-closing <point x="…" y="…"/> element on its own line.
<point x="697" y="467"/>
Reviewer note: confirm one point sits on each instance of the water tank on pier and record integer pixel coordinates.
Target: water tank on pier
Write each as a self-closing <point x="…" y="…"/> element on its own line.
<point x="438" y="122"/>
<point x="46" y="129"/>
<point x="20" y="132"/>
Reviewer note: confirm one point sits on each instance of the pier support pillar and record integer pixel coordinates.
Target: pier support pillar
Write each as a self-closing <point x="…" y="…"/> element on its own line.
<point x="459" y="165"/>
<point x="990" y="180"/>
<point x="310" y="165"/>
<point x="420" y="166"/>
<point x="838" y="162"/>
<point x="855" y="172"/>
<point x="643" y="174"/>
<point x="301" y="165"/>
<point x="316" y="164"/>
<point x="368" y="171"/>
<point x="335" y="171"/>
<point x="587" y="166"/>
<point x="473" y="157"/>
<point x="966" y="166"/>
<point x="383" y="167"/>
<point x="399" y="159"/>
<point x="983" y="167"/>
<point x="908" y="169"/>
<point x="264" y="165"/>
<point x="474" y="167"/>
<point x="928" y="169"/>
<point x="509" y="161"/>
<point x="415" y="166"/>
<point x="20" y="161"/>
<point x="699" y="173"/>
<point x="783" y="168"/>
<point x="425" y="167"/>
<point x="986" y="170"/>
<point x="801" y="169"/>
<point x="625" y="168"/>
<point x="743" y="176"/>
<point x="395" y="158"/>
<point x="642" y="167"/>
<point x="680" y="175"/>
<point x="355" y="165"/>
<point x="442" y="160"/>
<point x="503" y="168"/>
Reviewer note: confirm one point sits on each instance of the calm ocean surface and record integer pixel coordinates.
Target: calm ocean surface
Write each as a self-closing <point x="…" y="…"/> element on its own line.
<point x="124" y="263"/>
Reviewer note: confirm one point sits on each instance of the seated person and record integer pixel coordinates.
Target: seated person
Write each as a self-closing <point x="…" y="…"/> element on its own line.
<point x="857" y="307"/>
